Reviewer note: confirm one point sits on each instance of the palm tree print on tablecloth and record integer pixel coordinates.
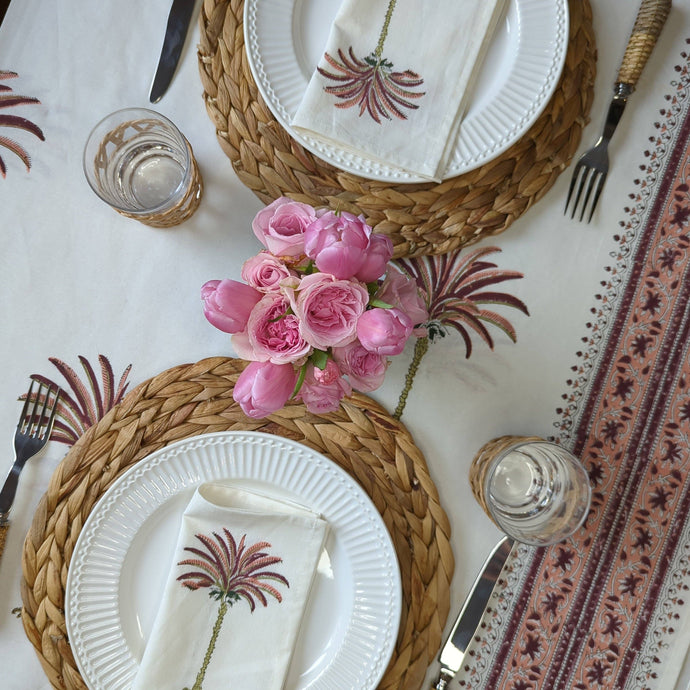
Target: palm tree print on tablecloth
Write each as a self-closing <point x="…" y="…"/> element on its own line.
<point x="88" y="402"/>
<point x="231" y="572"/>
<point x="457" y="288"/>
<point x="8" y="99"/>
<point x="371" y="83"/>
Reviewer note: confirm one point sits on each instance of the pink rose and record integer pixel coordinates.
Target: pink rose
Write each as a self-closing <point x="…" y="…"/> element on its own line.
<point x="365" y="369"/>
<point x="228" y="303"/>
<point x="280" y="226"/>
<point x="377" y="257"/>
<point x="328" y="309"/>
<point x="338" y="243"/>
<point x="384" y="331"/>
<point x="266" y="272"/>
<point x="402" y="292"/>
<point x="272" y="333"/>
<point x="322" y="390"/>
<point x="263" y="388"/>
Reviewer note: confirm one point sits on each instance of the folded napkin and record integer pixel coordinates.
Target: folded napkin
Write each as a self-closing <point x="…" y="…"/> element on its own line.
<point x="394" y="81"/>
<point x="235" y="594"/>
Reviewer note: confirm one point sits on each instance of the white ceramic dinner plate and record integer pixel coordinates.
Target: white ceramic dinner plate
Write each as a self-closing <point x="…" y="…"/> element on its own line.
<point x="121" y="559"/>
<point x="285" y="39"/>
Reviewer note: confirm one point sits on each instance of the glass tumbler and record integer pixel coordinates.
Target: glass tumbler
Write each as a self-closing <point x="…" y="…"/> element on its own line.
<point x="139" y="162"/>
<point x="535" y="491"/>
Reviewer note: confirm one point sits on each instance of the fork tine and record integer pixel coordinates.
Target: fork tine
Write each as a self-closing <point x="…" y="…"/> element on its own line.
<point x="593" y="178"/>
<point x="573" y="180"/>
<point x="22" y="416"/>
<point x="597" y="193"/>
<point x="51" y="419"/>
<point x="582" y="181"/>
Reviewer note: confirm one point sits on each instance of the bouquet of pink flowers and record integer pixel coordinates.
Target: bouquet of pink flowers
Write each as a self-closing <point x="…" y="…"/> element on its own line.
<point x="319" y="312"/>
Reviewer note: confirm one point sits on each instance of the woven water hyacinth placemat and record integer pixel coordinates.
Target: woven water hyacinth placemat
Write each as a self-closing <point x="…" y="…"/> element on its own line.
<point x="428" y="218"/>
<point x="361" y="437"/>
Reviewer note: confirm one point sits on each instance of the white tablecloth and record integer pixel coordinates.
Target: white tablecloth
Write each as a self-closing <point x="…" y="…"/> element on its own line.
<point x="78" y="279"/>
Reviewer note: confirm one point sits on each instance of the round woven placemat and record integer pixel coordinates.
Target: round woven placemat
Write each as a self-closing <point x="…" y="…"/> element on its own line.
<point x="426" y="218"/>
<point x="193" y="399"/>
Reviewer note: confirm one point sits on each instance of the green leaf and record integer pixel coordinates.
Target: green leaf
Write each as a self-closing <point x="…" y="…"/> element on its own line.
<point x="319" y="358"/>
<point x="375" y="302"/>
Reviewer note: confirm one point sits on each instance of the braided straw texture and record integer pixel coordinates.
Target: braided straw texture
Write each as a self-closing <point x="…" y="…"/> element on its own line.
<point x="483" y="459"/>
<point x="420" y="219"/>
<point x="193" y="399"/>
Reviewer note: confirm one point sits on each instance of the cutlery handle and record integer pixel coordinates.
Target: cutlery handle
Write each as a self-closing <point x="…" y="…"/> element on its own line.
<point x="651" y="18"/>
<point x="3" y="535"/>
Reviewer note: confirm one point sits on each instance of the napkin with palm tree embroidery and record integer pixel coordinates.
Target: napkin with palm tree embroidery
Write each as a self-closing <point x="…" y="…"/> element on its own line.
<point x="395" y="79"/>
<point x="235" y="595"/>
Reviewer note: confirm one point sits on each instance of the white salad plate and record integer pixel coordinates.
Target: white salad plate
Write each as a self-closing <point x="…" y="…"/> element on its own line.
<point x="121" y="560"/>
<point x="286" y="38"/>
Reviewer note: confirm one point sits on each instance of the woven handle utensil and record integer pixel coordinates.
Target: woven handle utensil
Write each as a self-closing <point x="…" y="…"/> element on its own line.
<point x="651" y="18"/>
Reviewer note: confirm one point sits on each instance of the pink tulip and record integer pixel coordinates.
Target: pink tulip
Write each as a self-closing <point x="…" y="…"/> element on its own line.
<point x="401" y="291"/>
<point x="328" y="309"/>
<point x="263" y="388"/>
<point x="338" y="243"/>
<point x="228" y="303"/>
<point x="266" y="272"/>
<point x="378" y="255"/>
<point x="280" y="226"/>
<point x="365" y="369"/>
<point x="384" y="331"/>
<point x="322" y="390"/>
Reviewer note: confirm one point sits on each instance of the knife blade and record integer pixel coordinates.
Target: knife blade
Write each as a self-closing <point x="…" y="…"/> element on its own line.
<point x="175" y="34"/>
<point x="453" y="651"/>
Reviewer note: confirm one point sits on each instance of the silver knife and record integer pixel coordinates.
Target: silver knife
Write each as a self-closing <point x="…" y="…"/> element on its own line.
<point x="453" y="651"/>
<point x="175" y="34"/>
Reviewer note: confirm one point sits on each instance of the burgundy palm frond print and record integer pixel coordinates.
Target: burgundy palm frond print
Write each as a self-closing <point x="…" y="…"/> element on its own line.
<point x="8" y="99"/>
<point x="461" y="294"/>
<point x="88" y="401"/>
<point x="230" y="571"/>
<point x="371" y="83"/>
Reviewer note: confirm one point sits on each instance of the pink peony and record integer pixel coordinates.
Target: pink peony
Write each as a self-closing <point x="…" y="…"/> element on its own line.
<point x="402" y="292"/>
<point x="384" y="331"/>
<point x="272" y="333"/>
<point x="328" y="309"/>
<point x="263" y="388"/>
<point x="228" y="303"/>
<point x="365" y="369"/>
<point x="322" y="390"/>
<point x="338" y="243"/>
<point x="266" y="272"/>
<point x="378" y="255"/>
<point x="280" y="226"/>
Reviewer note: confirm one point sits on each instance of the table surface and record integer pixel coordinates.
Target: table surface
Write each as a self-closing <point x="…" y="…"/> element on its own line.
<point x="78" y="279"/>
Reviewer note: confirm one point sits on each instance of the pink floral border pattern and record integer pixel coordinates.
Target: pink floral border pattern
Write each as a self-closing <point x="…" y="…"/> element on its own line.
<point x="603" y="609"/>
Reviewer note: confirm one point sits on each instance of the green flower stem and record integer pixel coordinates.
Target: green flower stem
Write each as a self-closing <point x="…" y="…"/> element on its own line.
<point x="420" y="348"/>
<point x="222" y="610"/>
<point x="384" y="31"/>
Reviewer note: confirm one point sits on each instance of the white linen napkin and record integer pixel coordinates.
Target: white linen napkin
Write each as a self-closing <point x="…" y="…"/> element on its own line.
<point x="233" y="601"/>
<point x="407" y="112"/>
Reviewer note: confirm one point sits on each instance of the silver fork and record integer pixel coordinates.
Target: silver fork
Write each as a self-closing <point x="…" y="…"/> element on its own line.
<point x="592" y="168"/>
<point x="32" y="433"/>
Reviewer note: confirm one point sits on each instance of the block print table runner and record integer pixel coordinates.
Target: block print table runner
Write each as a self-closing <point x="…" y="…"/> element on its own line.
<point x="606" y="609"/>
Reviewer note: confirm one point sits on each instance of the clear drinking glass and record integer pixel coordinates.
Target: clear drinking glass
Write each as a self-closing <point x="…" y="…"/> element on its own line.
<point x="139" y="162"/>
<point x="535" y="491"/>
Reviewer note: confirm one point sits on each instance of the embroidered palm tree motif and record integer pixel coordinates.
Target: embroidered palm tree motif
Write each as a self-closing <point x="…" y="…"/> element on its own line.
<point x="457" y="287"/>
<point x="231" y="572"/>
<point x="371" y="83"/>
<point x="9" y="100"/>
<point x="88" y="402"/>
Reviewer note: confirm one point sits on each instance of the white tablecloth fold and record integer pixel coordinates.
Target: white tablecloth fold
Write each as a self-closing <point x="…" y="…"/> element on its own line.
<point x="235" y="596"/>
<point x="395" y="79"/>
